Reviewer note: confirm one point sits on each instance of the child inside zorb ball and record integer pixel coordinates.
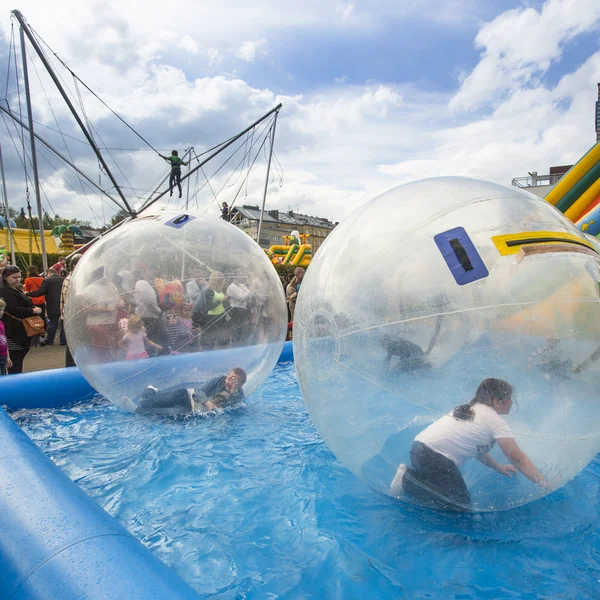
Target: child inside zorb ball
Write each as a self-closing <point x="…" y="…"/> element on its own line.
<point x="462" y="290"/>
<point x="470" y="431"/>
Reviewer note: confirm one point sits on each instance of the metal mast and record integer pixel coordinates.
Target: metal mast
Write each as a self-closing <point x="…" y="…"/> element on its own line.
<point x="25" y="29"/>
<point x="36" y="180"/>
<point x="262" y="210"/>
<point x="6" y="211"/>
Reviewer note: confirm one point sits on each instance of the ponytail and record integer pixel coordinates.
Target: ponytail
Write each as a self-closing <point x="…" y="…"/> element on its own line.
<point x="489" y="390"/>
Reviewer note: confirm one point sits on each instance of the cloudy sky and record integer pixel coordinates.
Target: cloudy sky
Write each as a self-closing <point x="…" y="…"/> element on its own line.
<point x="375" y="93"/>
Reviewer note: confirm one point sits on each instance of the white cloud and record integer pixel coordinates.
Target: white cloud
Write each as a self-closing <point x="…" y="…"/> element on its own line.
<point x="339" y="145"/>
<point x="520" y="45"/>
<point x="345" y="10"/>
<point x="247" y="50"/>
<point x="530" y="130"/>
<point x="189" y="44"/>
<point x="214" y="56"/>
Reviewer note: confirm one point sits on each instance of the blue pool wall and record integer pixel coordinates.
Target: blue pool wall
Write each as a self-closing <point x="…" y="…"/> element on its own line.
<point x="56" y="541"/>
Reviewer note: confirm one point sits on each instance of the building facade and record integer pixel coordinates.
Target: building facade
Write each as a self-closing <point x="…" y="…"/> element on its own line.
<point x="540" y="185"/>
<point x="277" y="224"/>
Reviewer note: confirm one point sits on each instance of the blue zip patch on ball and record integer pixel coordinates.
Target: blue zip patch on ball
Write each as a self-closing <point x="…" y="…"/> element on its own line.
<point x="180" y="220"/>
<point x="461" y="256"/>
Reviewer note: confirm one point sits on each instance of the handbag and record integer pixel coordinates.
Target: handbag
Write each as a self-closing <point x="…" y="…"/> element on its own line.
<point x="32" y="325"/>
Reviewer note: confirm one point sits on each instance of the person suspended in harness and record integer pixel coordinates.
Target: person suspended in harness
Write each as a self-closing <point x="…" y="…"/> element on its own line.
<point x="225" y="215"/>
<point x="175" y="177"/>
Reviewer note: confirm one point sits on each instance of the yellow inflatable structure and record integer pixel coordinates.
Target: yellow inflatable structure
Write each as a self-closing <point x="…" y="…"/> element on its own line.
<point x="295" y="251"/>
<point x="21" y="239"/>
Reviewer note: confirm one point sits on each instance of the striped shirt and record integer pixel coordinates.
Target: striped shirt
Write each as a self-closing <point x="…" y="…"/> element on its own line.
<point x="63" y="292"/>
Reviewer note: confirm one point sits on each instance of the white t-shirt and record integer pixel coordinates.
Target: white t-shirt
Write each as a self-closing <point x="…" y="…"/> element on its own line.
<point x="103" y="297"/>
<point x="145" y="300"/>
<point x="238" y="295"/>
<point x="135" y="342"/>
<point x="192" y="289"/>
<point x="460" y="440"/>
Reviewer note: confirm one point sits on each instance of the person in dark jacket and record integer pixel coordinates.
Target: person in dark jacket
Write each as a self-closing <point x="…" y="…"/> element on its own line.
<point x="217" y="393"/>
<point x="18" y="306"/>
<point x="51" y="288"/>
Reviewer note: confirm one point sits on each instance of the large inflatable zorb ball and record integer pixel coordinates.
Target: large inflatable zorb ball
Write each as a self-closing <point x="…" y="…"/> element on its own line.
<point x="425" y="292"/>
<point x="171" y="300"/>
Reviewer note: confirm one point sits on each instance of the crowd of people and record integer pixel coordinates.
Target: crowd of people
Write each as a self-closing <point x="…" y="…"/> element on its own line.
<point x="134" y="316"/>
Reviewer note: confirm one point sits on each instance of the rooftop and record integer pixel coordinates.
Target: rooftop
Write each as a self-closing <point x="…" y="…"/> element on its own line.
<point x="289" y="218"/>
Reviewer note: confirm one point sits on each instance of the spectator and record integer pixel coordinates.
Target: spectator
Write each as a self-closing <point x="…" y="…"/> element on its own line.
<point x="69" y="362"/>
<point x="147" y="308"/>
<point x="18" y="307"/>
<point x="195" y="285"/>
<point x="299" y="275"/>
<point x="51" y="288"/>
<point x="32" y="283"/>
<point x="5" y="361"/>
<point x="291" y="295"/>
<point x="135" y="340"/>
<point x="178" y="327"/>
<point x="102" y="303"/>
<point x="61" y="265"/>
<point x="215" y="302"/>
<point x="239" y="294"/>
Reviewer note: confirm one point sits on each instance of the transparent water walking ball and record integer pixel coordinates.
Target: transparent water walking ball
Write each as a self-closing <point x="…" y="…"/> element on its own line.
<point x="426" y="291"/>
<point x="171" y="300"/>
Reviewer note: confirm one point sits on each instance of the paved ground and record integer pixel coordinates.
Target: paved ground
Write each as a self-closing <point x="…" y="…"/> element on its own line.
<point x="48" y="357"/>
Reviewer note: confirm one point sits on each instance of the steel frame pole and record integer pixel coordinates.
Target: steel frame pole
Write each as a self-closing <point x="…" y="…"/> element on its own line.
<point x="262" y="210"/>
<point x="11" y="241"/>
<point x="36" y="180"/>
<point x="90" y="139"/>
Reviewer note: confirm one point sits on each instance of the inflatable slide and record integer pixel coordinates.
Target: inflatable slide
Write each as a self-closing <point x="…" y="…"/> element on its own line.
<point x="577" y="194"/>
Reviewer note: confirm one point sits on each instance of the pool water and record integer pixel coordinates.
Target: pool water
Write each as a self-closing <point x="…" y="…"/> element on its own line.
<point x="252" y="504"/>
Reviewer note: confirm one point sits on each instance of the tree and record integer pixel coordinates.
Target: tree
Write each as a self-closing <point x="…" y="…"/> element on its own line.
<point x="21" y="220"/>
<point x="47" y="221"/>
<point x="118" y="217"/>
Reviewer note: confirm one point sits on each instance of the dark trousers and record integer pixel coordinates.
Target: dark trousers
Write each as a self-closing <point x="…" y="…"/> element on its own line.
<point x="69" y="360"/>
<point x="52" y="327"/>
<point x="17" y="357"/>
<point x="435" y="480"/>
<point x="155" y="330"/>
<point x="3" y="367"/>
<point x="175" y="179"/>
<point x="173" y="402"/>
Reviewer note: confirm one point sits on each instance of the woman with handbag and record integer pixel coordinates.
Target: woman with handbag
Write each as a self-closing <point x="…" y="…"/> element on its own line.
<point x="32" y="283"/>
<point x="17" y="318"/>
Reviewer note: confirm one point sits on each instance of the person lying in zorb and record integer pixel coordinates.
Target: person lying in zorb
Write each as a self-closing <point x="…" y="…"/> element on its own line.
<point x="217" y="393"/>
<point x="547" y="359"/>
<point x="470" y="431"/>
<point x="408" y="355"/>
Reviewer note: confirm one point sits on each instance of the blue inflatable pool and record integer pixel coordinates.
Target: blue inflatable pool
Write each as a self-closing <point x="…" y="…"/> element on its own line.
<point x="56" y="542"/>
